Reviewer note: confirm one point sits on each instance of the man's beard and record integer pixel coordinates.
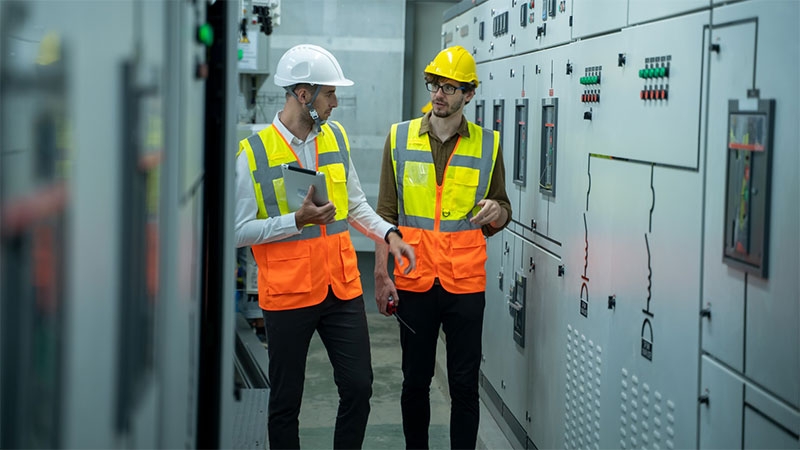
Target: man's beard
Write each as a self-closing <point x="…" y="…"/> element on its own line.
<point x="448" y="113"/>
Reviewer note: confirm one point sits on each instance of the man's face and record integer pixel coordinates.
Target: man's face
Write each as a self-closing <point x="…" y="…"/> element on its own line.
<point x="444" y="104"/>
<point x="325" y="101"/>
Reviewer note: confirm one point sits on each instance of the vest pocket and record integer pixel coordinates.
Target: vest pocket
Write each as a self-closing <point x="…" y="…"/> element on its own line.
<point x="347" y="255"/>
<point x="289" y="268"/>
<point x="459" y="195"/>
<point x="413" y="237"/>
<point x="337" y="188"/>
<point x="468" y="254"/>
<point x="419" y="187"/>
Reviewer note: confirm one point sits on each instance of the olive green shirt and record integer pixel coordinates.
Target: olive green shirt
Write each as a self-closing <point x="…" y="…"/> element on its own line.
<point x="440" y="151"/>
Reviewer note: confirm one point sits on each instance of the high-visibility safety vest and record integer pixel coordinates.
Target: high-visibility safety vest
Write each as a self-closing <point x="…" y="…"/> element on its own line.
<point x="435" y="219"/>
<point x="296" y="272"/>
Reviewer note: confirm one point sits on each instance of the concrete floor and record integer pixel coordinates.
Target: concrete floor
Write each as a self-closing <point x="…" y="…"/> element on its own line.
<point x="384" y="430"/>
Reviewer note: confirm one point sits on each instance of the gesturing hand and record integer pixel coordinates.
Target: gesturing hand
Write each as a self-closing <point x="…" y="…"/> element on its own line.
<point x="399" y="248"/>
<point x="490" y="213"/>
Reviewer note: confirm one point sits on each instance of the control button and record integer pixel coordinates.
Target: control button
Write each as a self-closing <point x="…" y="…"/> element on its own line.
<point x="205" y="34"/>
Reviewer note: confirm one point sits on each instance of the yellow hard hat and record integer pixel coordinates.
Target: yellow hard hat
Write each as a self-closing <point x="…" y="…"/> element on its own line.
<point x="455" y="63"/>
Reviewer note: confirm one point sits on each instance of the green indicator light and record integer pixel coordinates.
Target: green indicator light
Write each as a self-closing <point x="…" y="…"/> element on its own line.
<point x="241" y="54"/>
<point x="205" y="34"/>
<point x="641" y="73"/>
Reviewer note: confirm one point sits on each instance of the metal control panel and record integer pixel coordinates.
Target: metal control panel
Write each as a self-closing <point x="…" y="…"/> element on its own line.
<point x="548" y="149"/>
<point x="516" y="307"/>
<point x="655" y="209"/>
<point x="103" y="184"/>
<point x="520" y="169"/>
<point x="748" y="185"/>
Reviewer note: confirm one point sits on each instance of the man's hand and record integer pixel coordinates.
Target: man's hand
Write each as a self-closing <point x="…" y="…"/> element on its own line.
<point x="491" y="213"/>
<point x="399" y="248"/>
<point x="311" y="213"/>
<point x="384" y="288"/>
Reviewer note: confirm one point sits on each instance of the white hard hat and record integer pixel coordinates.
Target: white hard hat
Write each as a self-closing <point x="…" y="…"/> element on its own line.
<point x="310" y="64"/>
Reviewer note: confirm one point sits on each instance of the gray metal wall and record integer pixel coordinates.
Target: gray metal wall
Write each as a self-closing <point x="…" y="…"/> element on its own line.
<point x="612" y="319"/>
<point x="424" y="42"/>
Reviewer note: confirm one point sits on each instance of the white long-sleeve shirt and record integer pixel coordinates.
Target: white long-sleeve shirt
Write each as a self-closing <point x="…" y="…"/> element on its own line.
<point x="251" y="231"/>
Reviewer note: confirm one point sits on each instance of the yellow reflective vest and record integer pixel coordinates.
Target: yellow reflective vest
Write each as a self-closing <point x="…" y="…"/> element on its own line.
<point x="435" y="219"/>
<point x="296" y="272"/>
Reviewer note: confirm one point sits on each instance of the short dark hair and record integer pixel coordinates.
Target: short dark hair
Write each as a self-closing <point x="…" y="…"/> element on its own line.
<point x="307" y="86"/>
<point x="293" y="88"/>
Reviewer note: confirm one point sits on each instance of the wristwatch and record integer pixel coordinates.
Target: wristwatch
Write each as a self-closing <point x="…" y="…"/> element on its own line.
<point x="392" y="230"/>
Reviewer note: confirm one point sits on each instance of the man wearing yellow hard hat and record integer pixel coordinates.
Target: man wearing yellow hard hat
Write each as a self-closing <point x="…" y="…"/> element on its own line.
<point x="443" y="184"/>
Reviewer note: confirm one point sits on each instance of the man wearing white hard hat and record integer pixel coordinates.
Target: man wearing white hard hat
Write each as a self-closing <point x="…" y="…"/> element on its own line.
<point x="308" y="278"/>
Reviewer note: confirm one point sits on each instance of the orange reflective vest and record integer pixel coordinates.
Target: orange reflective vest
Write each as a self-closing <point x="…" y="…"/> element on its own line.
<point x="296" y="272"/>
<point x="435" y="219"/>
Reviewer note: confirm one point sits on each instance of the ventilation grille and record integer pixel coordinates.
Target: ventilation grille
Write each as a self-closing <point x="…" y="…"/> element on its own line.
<point x="647" y="420"/>
<point x="582" y="412"/>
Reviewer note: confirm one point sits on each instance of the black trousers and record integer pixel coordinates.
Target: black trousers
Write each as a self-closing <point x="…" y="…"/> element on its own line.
<point x="461" y="318"/>
<point x="342" y="326"/>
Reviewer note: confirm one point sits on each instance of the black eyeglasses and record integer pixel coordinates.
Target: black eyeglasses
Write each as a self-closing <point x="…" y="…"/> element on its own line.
<point x="448" y="89"/>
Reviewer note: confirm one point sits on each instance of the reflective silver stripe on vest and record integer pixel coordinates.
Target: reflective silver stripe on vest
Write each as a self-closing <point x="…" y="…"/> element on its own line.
<point x="444" y="225"/>
<point x="484" y="164"/>
<point x="264" y="174"/>
<point x="417" y="222"/>
<point x="330" y="157"/>
<point x="401" y="141"/>
<point x="312" y="232"/>
<point x="458" y="225"/>
<point x="487" y="156"/>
